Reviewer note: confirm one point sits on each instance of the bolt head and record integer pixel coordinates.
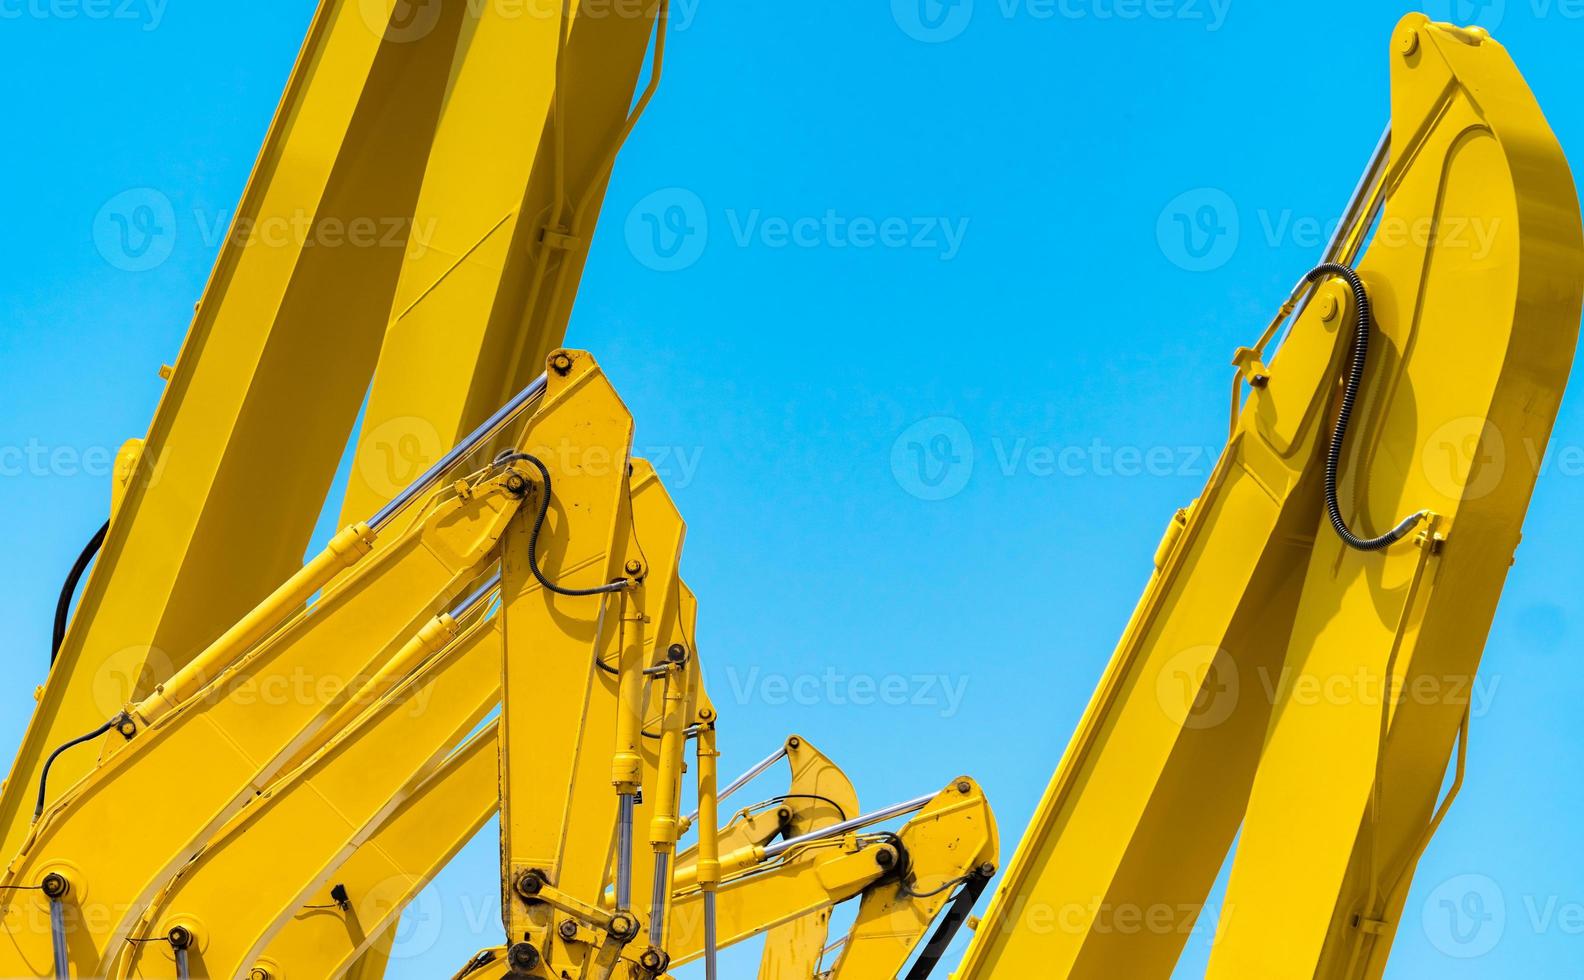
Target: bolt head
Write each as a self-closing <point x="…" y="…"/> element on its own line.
<point x="1329" y="307"/>
<point x="1409" y="42"/>
<point x="964" y="787"/>
<point x="522" y="957"/>
<point x="529" y="884"/>
<point x="623" y="926"/>
<point x="634" y="567"/>
<point x="55" y="885"/>
<point x="568" y="930"/>
<point x="561" y="363"/>
<point x="885" y="857"/>
<point x="676" y="653"/>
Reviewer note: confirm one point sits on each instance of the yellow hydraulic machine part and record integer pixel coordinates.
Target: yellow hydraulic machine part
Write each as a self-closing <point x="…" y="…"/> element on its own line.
<point x="820" y="796"/>
<point x="904" y="879"/>
<point x="540" y="103"/>
<point x="568" y="816"/>
<point x="388" y="139"/>
<point x="274" y="368"/>
<point x="285" y="848"/>
<point x="1475" y="346"/>
<point x="1411" y="401"/>
<point x="190" y="755"/>
<point x="328" y="936"/>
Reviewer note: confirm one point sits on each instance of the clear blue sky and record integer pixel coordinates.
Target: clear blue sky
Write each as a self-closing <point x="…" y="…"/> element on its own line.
<point x="1037" y="154"/>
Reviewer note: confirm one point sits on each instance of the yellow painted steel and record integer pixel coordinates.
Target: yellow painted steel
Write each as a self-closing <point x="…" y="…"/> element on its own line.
<point x="397" y="861"/>
<point x="216" y="507"/>
<point x="183" y="777"/>
<point x="1475" y="268"/>
<point x="1475" y="342"/>
<point x="1147" y="800"/>
<point x="285" y="848"/>
<point x="820" y="795"/>
<point x="509" y="210"/>
<point x="952" y="836"/>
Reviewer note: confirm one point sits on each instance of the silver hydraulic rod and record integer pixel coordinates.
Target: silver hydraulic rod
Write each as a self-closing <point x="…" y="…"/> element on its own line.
<point x="741" y="781"/>
<point x="624" y="854"/>
<point x="471" y="604"/>
<point x="848" y="826"/>
<point x="711" y="939"/>
<point x="431" y="477"/>
<point x="1352" y="214"/>
<point x="657" y="900"/>
<point x="58" y="939"/>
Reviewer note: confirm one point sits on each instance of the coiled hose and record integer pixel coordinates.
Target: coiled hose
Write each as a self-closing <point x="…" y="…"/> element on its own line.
<point x="1350" y="390"/>
<point x="538" y="526"/>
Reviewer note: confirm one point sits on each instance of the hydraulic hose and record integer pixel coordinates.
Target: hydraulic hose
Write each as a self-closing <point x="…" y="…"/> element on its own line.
<point x="538" y="526"/>
<point x="1350" y="390"/>
<point x="69" y="589"/>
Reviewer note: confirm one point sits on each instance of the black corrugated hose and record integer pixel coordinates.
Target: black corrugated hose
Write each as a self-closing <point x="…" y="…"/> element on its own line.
<point x="1350" y="390"/>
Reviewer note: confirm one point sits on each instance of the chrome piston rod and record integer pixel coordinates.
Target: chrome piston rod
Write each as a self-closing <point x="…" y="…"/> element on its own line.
<point x="490" y="428"/>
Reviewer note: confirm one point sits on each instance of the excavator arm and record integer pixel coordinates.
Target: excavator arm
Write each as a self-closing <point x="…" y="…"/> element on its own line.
<point x="1352" y="540"/>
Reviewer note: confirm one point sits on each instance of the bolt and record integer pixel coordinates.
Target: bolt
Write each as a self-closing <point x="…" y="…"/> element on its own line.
<point x="623" y="926"/>
<point x="986" y="870"/>
<point x="530" y="883"/>
<point x="885" y="857"/>
<point x="1408" y="43"/>
<point x="652" y="960"/>
<point x="515" y="485"/>
<point x="794" y="742"/>
<point x="561" y="362"/>
<point x="964" y="787"/>
<point x="567" y="930"/>
<point x="634" y="567"/>
<point x="522" y="957"/>
<point x="55" y="886"/>
<point x="1329" y="307"/>
<point x="258" y="973"/>
<point x="180" y="937"/>
<point x="677" y="653"/>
